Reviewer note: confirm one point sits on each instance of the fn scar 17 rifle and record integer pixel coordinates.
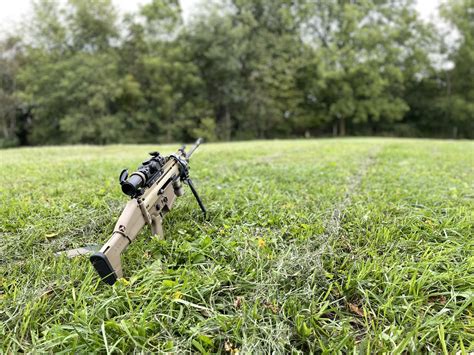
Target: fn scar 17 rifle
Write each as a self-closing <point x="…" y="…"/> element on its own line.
<point x="153" y="189"/>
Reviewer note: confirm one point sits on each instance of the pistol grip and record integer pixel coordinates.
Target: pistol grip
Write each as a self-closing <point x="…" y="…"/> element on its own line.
<point x="157" y="226"/>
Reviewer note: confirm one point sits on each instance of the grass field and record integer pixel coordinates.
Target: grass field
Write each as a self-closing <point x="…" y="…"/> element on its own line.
<point x="314" y="245"/>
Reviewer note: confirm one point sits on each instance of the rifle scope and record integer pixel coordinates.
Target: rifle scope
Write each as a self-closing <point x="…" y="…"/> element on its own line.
<point x="132" y="186"/>
<point x="146" y="174"/>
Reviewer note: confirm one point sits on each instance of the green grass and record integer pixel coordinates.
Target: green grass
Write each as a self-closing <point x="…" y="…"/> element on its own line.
<point x="315" y="245"/>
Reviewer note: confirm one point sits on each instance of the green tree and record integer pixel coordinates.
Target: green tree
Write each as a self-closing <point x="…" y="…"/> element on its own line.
<point x="10" y="60"/>
<point x="216" y="46"/>
<point x="365" y="48"/>
<point x="248" y="54"/>
<point x="269" y="63"/>
<point x="71" y="81"/>
<point x="92" y="24"/>
<point x="244" y="69"/>
<point x="459" y="101"/>
<point x="171" y="103"/>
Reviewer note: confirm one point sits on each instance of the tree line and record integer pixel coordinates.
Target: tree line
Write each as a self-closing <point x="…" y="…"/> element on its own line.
<point x="79" y="72"/>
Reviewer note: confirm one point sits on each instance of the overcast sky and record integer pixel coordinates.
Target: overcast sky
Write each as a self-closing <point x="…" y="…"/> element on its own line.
<point x="12" y="11"/>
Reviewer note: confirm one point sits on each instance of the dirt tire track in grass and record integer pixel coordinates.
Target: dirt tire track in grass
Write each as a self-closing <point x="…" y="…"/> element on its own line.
<point x="299" y="269"/>
<point x="333" y="225"/>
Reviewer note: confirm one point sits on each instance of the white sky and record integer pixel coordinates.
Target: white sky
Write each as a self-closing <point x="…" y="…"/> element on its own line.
<point x="13" y="11"/>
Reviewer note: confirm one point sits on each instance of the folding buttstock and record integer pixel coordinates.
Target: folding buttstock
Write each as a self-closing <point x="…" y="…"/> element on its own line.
<point x="107" y="260"/>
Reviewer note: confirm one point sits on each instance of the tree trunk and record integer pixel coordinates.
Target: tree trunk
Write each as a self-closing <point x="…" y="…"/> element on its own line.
<point x="223" y="122"/>
<point x="227" y="124"/>
<point x="342" y="126"/>
<point x="334" y="129"/>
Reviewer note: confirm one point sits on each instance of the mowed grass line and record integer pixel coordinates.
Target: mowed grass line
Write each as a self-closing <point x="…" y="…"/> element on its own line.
<point x="266" y="272"/>
<point x="414" y="276"/>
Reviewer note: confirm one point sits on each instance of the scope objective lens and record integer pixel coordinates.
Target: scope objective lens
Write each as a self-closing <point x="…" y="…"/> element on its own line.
<point x="132" y="186"/>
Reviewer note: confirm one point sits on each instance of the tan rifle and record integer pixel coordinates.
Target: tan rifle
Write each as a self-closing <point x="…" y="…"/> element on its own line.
<point x="153" y="189"/>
